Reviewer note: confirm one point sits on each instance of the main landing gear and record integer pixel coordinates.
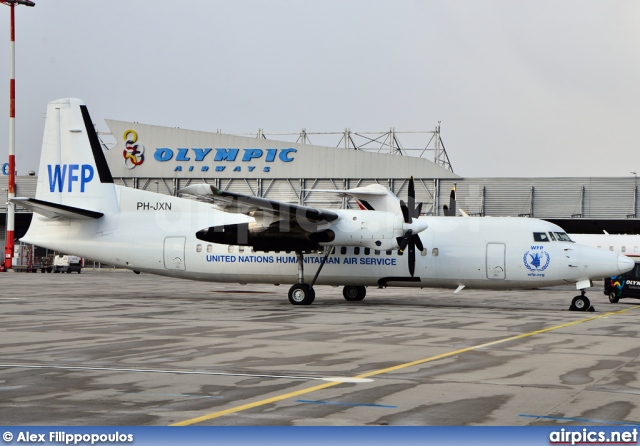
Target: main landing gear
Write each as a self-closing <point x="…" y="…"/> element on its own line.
<point x="354" y="293"/>
<point x="581" y="303"/>
<point x="303" y="293"/>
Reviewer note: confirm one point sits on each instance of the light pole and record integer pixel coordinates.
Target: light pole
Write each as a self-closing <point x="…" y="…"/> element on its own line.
<point x="11" y="192"/>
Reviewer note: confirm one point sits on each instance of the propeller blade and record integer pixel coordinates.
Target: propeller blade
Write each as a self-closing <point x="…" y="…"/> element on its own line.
<point x="412" y="196"/>
<point x="405" y="212"/>
<point x="404" y="240"/>
<point x="417" y="210"/>
<point x="412" y="257"/>
<point x="452" y="201"/>
<point x="418" y="242"/>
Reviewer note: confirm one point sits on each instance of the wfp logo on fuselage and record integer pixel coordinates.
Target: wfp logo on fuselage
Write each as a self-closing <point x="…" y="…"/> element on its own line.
<point x="536" y="259"/>
<point x="69" y="177"/>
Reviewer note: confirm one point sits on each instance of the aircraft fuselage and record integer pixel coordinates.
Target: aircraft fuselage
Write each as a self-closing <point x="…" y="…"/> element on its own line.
<point x="156" y="234"/>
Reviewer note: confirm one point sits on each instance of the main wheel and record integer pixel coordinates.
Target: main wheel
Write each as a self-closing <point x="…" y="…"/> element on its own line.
<point x="354" y="293"/>
<point x="613" y="298"/>
<point x="301" y="294"/>
<point x="580" y="303"/>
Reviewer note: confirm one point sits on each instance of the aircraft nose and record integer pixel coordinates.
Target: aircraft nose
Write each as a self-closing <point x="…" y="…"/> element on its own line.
<point x="625" y="264"/>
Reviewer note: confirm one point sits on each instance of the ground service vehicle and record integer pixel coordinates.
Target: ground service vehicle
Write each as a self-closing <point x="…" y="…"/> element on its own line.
<point x="67" y="264"/>
<point x="623" y="285"/>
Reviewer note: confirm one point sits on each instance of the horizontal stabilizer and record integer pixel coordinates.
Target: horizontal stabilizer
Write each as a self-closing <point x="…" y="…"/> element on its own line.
<point x="55" y="210"/>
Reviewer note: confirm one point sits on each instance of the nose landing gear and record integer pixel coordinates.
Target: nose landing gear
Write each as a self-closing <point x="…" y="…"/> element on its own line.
<point x="581" y="303"/>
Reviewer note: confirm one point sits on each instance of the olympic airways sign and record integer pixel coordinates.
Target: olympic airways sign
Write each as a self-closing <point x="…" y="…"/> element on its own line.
<point x="196" y="157"/>
<point x="199" y="159"/>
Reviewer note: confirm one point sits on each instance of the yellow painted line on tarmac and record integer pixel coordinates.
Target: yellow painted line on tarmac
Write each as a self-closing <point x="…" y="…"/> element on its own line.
<point x="392" y="369"/>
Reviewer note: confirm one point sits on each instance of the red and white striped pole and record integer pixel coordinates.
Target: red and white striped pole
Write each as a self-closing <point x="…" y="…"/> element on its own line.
<point x="11" y="189"/>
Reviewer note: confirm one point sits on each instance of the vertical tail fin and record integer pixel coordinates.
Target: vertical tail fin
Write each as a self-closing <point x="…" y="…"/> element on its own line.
<point x="73" y="169"/>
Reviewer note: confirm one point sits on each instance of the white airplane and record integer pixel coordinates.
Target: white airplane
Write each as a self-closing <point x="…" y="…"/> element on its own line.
<point x="625" y="244"/>
<point x="78" y="209"/>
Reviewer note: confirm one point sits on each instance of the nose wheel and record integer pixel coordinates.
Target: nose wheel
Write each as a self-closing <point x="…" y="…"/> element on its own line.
<point x="581" y="303"/>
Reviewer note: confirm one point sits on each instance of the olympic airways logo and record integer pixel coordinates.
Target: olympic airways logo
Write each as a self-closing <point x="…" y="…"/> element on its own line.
<point x="536" y="260"/>
<point x="133" y="152"/>
<point x="5" y="169"/>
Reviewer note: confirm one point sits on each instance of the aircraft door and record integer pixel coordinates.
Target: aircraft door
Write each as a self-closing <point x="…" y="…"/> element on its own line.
<point x="174" y="253"/>
<point x="495" y="260"/>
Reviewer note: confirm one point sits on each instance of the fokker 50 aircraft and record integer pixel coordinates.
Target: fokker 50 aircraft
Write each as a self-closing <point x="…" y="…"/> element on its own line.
<point x="79" y="210"/>
<point x="626" y="244"/>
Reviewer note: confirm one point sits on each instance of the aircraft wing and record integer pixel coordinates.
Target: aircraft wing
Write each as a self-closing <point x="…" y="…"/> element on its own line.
<point x="371" y="197"/>
<point x="55" y="210"/>
<point x="279" y="208"/>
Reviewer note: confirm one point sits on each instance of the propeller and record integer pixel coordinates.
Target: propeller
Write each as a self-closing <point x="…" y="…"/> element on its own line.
<point x="411" y="239"/>
<point x="450" y="211"/>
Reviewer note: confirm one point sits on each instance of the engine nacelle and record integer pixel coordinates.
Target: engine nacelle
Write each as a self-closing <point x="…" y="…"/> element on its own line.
<point x="370" y="229"/>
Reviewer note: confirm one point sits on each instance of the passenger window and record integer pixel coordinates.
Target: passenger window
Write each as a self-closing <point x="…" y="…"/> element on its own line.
<point x="389" y="252"/>
<point x="367" y="251"/>
<point x="240" y="248"/>
<point x="230" y="248"/>
<point x="209" y="248"/>
<point x="376" y="252"/>
<point x="540" y="237"/>
<point x="434" y="252"/>
<point x="423" y="252"/>
<point x="198" y="248"/>
<point x="623" y="249"/>
<point x="343" y="250"/>
<point x="635" y="249"/>
<point x="610" y="248"/>
<point x="400" y="252"/>
<point x="356" y="251"/>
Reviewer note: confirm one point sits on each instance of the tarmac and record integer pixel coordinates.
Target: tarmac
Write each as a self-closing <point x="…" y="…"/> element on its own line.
<point x="110" y="347"/>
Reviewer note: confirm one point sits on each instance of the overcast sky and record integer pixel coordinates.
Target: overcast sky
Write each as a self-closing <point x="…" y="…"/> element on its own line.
<point x="522" y="88"/>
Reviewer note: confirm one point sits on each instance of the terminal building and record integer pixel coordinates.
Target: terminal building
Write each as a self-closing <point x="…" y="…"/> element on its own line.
<point x="288" y="167"/>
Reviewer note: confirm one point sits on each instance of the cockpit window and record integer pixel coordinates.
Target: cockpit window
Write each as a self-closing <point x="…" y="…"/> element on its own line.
<point x="563" y="237"/>
<point x="540" y="237"/>
<point x="553" y="237"/>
